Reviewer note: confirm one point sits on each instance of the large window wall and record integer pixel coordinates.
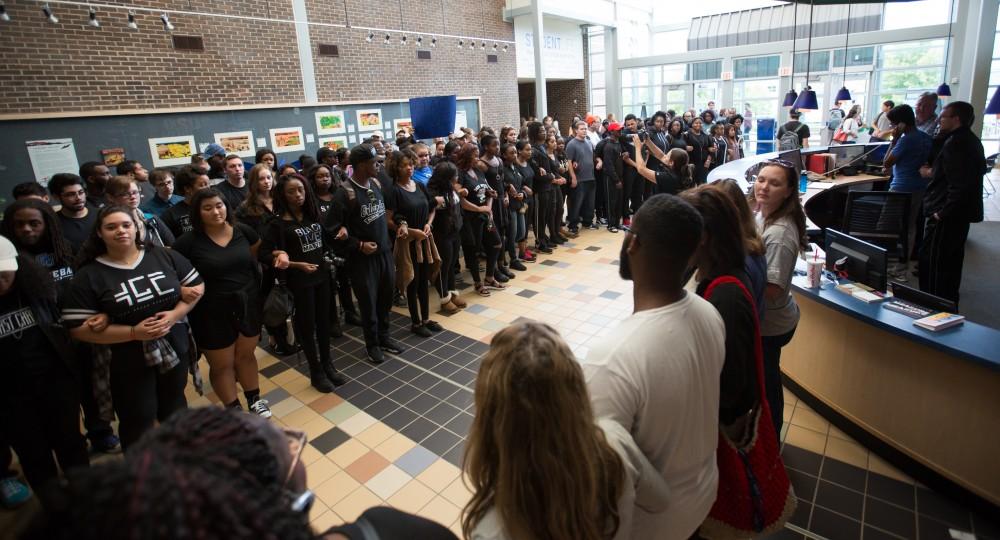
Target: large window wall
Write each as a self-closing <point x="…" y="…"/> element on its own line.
<point x="991" y="123"/>
<point x="595" y="47"/>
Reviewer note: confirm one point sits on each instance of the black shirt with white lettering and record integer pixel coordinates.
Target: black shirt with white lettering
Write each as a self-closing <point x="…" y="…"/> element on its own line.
<point x="302" y="241"/>
<point x="477" y="187"/>
<point x="26" y="349"/>
<point x="177" y="218"/>
<point x="362" y="211"/>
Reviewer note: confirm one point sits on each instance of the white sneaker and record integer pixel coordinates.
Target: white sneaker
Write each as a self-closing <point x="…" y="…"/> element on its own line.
<point x="260" y="408"/>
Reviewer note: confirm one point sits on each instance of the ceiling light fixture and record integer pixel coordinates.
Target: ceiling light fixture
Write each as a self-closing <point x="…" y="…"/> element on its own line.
<point x="371" y="36"/>
<point x="434" y="42"/>
<point x="944" y="90"/>
<point x="47" y="11"/>
<point x="792" y="95"/>
<point x="387" y="39"/>
<point x="131" y="21"/>
<point x="93" y="19"/>
<point x="807" y="99"/>
<point x="844" y="94"/>
<point x="167" y="25"/>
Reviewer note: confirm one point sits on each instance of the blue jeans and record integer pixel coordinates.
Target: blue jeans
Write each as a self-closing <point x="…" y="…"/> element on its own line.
<point x="582" y="209"/>
<point x="772" y="377"/>
<point x="517" y="232"/>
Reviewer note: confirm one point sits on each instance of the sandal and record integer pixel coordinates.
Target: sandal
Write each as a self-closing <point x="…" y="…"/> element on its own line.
<point x="481" y="290"/>
<point x="494" y="284"/>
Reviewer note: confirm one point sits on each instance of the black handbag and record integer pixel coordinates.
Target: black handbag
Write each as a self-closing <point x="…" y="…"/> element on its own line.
<point x="279" y="304"/>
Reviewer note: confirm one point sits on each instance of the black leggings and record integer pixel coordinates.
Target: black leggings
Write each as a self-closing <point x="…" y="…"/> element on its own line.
<point x="448" y="250"/>
<point x="417" y="290"/>
<point x="142" y="394"/>
<point x="545" y="207"/>
<point x="312" y="317"/>
<point x="474" y="235"/>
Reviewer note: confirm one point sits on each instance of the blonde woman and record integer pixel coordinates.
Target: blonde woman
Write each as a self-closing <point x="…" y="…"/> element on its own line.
<point x="539" y="464"/>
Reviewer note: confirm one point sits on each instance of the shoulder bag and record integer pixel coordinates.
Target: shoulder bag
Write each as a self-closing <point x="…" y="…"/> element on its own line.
<point x="279" y="304"/>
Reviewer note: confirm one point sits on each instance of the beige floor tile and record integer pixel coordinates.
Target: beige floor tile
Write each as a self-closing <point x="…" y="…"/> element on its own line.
<point x="386" y="483"/>
<point x="367" y="466"/>
<point x="286" y="407"/>
<point x="395" y="446"/>
<point x="847" y="451"/>
<point x="347" y="453"/>
<point x="375" y="435"/>
<point x="300" y="416"/>
<point x="806" y="439"/>
<point x="786" y="414"/>
<point x="357" y="423"/>
<point x="457" y="492"/>
<point x="320" y="471"/>
<point x="326" y="520"/>
<point x="317" y="510"/>
<point x="834" y="432"/>
<point x="285" y="377"/>
<point x="336" y="488"/>
<point x="412" y="497"/>
<point x="296" y="384"/>
<point x="310" y="455"/>
<point x="880" y="466"/>
<point x="264" y="358"/>
<point x="457" y="527"/>
<point x="341" y="412"/>
<point x="316" y="427"/>
<point x="308" y="394"/>
<point x="440" y="510"/>
<point x="810" y="420"/>
<point x="439" y="475"/>
<point x="266" y="385"/>
<point x="361" y="499"/>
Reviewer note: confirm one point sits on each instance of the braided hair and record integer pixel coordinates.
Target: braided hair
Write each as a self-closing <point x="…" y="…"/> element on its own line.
<point x="62" y="253"/>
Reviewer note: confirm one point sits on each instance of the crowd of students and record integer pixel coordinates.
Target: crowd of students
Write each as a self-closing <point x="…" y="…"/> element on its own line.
<point x="155" y="269"/>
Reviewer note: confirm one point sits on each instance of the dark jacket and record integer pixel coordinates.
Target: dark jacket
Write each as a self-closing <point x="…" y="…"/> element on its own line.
<point x="612" y="162"/>
<point x="46" y="314"/>
<point x="955" y="191"/>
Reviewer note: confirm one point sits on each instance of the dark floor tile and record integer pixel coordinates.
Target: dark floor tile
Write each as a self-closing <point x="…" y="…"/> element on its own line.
<point x="527" y="293"/>
<point x="447" y="351"/>
<point x="391" y="367"/>
<point x="440" y="441"/>
<point x="592" y="248"/>
<point x="478" y="348"/>
<point x="454" y="456"/>
<point x="785" y="534"/>
<point x="382" y="408"/>
<point x="404" y="393"/>
<point x="986" y="527"/>
<point x="387" y="385"/>
<point x="463" y="342"/>
<point x="461" y="399"/>
<point x="445" y="368"/>
<point x="803" y="510"/>
<point x="839" y="499"/>
<point x="330" y="440"/>
<point x="365" y="398"/>
<point x="354" y="348"/>
<point x="302" y="369"/>
<point x="891" y="490"/>
<point x="399" y="419"/>
<point x="427" y="345"/>
<point x="548" y="262"/>
<point x="443" y="390"/>
<point x="425" y="380"/>
<point x="276" y="395"/>
<point x="844" y="474"/>
<point x="833" y="526"/>
<point x="463" y="358"/>
<point x="442" y="413"/>
<point x="931" y="528"/>
<point x="422" y="403"/>
<point x="412" y="354"/>
<point x="407" y="373"/>
<point x="890" y="518"/>
<point x="871" y="533"/>
<point x="936" y="506"/>
<point x="274" y="369"/>
<point x="427" y="361"/>
<point x="349" y="389"/>
<point x="463" y="376"/>
<point x="803" y="460"/>
<point x="460" y="424"/>
<point x="474" y="365"/>
<point x="356" y="369"/>
<point x="371" y="377"/>
<point x="803" y="484"/>
<point x="419" y="429"/>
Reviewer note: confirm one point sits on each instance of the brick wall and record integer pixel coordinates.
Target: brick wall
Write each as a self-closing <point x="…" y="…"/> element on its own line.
<point x="71" y="67"/>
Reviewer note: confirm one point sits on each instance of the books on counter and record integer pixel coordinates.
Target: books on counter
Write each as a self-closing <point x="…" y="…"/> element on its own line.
<point x="861" y="292"/>
<point x="939" y="321"/>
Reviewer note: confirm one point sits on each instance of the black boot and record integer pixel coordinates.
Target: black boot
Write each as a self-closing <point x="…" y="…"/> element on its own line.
<point x="318" y="379"/>
<point x="332" y="374"/>
<point x="335" y="330"/>
<point x="351" y="317"/>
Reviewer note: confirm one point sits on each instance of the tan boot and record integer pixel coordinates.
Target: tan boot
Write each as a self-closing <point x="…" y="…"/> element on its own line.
<point x="457" y="300"/>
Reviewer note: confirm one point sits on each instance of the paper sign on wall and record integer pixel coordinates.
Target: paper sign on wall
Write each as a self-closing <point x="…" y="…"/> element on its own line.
<point x="461" y="120"/>
<point x="50" y="157"/>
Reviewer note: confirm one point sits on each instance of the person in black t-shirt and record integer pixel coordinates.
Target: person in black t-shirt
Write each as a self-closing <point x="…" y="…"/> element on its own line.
<point x="796" y="127"/>
<point x="323" y="181"/>
<point x="76" y="217"/>
<point x="478" y="230"/>
<point x="139" y="288"/>
<point x="234" y="188"/>
<point x="226" y="322"/>
<point x="357" y="222"/>
<point x="513" y="188"/>
<point x="410" y="212"/>
<point x="39" y="394"/>
<point x="188" y="181"/>
<point x="673" y="174"/>
<point x="702" y="150"/>
<point x="294" y="243"/>
<point x="95" y="175"/>
<point x="447" y="223"/>
<point x="545" y="202"/>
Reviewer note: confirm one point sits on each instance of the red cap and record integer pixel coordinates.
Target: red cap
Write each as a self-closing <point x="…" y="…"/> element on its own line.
<point x="614" y="126"/>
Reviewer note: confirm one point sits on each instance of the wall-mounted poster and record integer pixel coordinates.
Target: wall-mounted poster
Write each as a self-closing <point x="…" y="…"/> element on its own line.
<point x="334" y="143"/>
<point x="461" y="120"/>
<point x="50" y="157"/>
<point x="331" y="123"/>
<point x="170" y="151"/>
<point x="401" y="123"/>
<point x="288" y="139"/>
<point x="113" y="156"/>
<point x="237" y="142"/>
<point x="369" y="119"/>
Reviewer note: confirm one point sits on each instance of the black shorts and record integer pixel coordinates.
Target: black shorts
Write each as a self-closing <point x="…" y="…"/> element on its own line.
<point x="217" y="321"/>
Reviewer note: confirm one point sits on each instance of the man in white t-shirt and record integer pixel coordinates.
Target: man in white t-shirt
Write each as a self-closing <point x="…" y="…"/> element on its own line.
<point x="659" y="375"/>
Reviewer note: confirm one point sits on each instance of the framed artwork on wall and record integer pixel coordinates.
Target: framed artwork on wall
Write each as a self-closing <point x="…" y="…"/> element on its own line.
<point x="334" y="143"/>
<point x="331" y="123"/>
<point x="401" y="123"/>
<point x="237" y="142"/>
<point x="171" y="151"/>
<point x="369" y="119"/>
<point x="288" y="139"/>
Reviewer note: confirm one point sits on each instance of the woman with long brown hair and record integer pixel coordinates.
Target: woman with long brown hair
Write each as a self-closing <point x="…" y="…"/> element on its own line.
<point x="756" y="262"/>
<point x="539" y="465"/>
<point x="782" y="224"/>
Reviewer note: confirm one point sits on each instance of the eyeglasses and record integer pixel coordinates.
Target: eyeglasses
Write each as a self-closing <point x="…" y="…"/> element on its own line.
<point x="630" y="230"/>
<point x="131" y="194"/>
<point x="296" y="445"/>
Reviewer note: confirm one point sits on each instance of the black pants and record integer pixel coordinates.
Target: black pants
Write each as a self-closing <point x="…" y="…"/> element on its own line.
<point x="558" y="211"/>
<point x="39" y="418"/>
<point x="447" y="245"/>
<point x="312" y="318"/>
<point x="941" y="257"/>
<point x="142" y="394"/>
<point x="771" y="346"/>
<point x="416" y="292"/>
<point x="475" y="235"/>
<point x="582" y="210"/>
<point x="373" y="278"/>
<point x="343" y="285"/>
<point x="633" y="191"/>
<point x="614" y="205"/>
<point x="601" y="196"/>
<point x="545" y="207"/>
<point x="97" y="428"/>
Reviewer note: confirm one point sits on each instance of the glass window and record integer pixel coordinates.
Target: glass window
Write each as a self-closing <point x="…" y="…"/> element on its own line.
<point x="674" y="73"/>
<point x="672" y="42"/>
<point x="711" y="69"/>
<point x="818" y="61"/>
<point x="912" y="54"/>
<point x="861" y="56"/>
<point x="761" y="66"/>
<point x="913" y="14"/>
<point x="705" y="92"/>
<point x="761" y="98"/>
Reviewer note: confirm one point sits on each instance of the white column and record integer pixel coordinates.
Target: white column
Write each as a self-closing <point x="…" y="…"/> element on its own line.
<point x="612" y="79"/>
<point x="538" y="40"/>
<point x="972" y="54"/>
<point x="305" y="51"/>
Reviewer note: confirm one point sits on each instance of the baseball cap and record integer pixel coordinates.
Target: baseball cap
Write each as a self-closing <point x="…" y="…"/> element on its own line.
<point x="8" y="255"/>
<point x="213" y="150"/>
<point x="591" y="119"/>
<point x="614" y="126"/>
<point x="362" y="153"/>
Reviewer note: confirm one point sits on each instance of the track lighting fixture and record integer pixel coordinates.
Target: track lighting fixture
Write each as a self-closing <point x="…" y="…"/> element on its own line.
<point x="483" y="46"/>
<point x="93" y="18"/>
<point x="434" y="42"/>
<point x="495" y="46"/>
<point x="402" y="40"/>
<point x="472" y="45"/>
<point x="47" y="11"/>
<point x="131" y="21"/>
<point x="387" y="39"/>
<point x="371" y="36"/>
<point x="167" y="26"/>
<point x="461" y="44"/>
<point x="4" y="16"/>
<point x="505" y="48"/>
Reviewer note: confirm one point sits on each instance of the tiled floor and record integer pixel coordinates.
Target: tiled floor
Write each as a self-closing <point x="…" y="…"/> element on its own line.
<point x="394" y="434"/>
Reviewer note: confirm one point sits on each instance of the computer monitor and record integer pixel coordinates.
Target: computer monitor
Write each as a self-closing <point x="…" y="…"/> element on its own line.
<point x="794" y="157"/>
<point x="876" y="154"/>
<point x="865" y="263"/>
<point x="847" y="154"/>
<point x="922" y="298"/>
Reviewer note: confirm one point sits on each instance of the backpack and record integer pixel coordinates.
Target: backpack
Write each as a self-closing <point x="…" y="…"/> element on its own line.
<point x="790" y="139"/>
<point x="836" y="116"/>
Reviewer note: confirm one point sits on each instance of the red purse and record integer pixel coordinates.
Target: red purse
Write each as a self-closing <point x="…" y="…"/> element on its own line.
<point x="755" y="497"/>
